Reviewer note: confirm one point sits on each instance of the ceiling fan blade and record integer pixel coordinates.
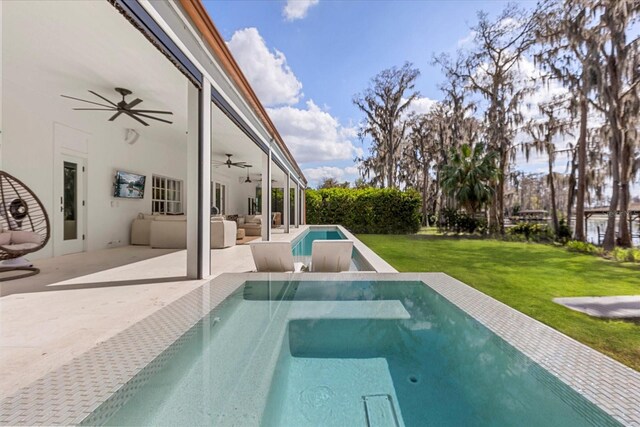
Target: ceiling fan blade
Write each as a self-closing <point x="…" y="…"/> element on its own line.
<point x="135" y="118"/>
<point x="150" y="117"/>
<point x="115" y="116"/>
<point x="84" y="100"/>
<point x="94" y="109"/>
<point x="133" y="103"/>
<point x="102" y="97"/>
<point x="151" y="111"/>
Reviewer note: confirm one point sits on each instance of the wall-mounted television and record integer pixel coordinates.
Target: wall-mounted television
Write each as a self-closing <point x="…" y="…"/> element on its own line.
<point x="129" y="185"/>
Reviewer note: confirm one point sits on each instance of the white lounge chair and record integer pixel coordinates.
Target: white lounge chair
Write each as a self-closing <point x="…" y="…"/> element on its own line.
<point x="274" y="257"/>
<point x="331" y="256"/>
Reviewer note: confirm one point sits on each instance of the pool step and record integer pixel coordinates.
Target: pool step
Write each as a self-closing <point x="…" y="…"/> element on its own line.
<point x="379" y="411"/>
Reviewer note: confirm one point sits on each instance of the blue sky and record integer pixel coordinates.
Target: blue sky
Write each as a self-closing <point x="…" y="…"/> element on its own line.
<point x="307" y="59"/>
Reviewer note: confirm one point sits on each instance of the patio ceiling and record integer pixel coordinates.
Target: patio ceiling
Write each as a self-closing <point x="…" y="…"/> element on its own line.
<point x="229" y="139"/>
<point x="65" y="49"/>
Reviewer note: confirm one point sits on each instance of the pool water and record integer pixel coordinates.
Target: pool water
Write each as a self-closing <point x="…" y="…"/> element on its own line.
<point x="383" y="353"/>
<point x="303" y="246"/>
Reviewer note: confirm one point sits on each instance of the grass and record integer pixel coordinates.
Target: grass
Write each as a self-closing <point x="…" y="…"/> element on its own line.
<point x="527" y="276"/>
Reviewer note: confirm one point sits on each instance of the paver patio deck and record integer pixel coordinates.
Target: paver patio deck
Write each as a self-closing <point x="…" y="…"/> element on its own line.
<point x="80" y="300"/>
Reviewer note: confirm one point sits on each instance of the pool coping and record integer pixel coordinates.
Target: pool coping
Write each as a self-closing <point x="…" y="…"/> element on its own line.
<point x="101" y="377"/>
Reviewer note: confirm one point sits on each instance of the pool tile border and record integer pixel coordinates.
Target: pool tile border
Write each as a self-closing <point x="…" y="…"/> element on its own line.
<point x="93" y="386"/>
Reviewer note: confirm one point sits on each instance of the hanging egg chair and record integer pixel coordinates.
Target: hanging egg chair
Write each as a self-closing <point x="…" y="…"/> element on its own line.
<point x="24" y="227"/>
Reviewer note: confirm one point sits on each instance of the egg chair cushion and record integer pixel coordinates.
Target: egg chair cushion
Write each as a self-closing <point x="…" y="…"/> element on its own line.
<point x="19" y="237"/>
<point x="5" y="238"/>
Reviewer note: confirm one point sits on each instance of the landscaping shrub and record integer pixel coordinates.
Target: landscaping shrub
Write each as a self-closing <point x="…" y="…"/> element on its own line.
<point x="461" y="222"/>
<point x="626" y="255"/>
<point x="365" y="210"/>
<point x="532" y="231"/>
<point x="564" y="232"/>
<point x="582" y="247"/>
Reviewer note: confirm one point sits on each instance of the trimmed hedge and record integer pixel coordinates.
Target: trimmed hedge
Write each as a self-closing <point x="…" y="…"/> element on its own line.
<point x="366" y="210"/>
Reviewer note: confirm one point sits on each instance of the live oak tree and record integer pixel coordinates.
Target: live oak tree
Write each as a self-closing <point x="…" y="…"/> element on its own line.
<point x="491" y="68"/>
<point x="566" y="49"/>
<point x="385" y="103"/>
<point x="544" y="132"/>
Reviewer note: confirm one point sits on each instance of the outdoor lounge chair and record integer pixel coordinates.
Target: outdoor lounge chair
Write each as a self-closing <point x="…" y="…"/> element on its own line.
<point x="24" y="226"/>
<point x="274" y="257"/>
<point x="331" y="256"/>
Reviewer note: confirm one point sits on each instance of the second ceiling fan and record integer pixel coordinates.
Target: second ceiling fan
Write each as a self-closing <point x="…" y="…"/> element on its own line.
<point x="228" y="163"/>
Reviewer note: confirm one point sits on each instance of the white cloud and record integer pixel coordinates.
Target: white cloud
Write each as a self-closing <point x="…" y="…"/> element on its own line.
<point x="314" y="135"/>
<point x="467" y="40"/>
<point x="267" y="71"/>
<point x="421" y="105"/>
<point x="315" y="175"/>
<point x="297" y="9"/>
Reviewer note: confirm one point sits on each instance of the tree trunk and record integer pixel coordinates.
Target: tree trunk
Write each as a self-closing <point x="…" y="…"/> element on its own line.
<point x="552" y="188"/>
<point x="500" y="205"/>
<point x="425" y="176"/>
<point x="582" y="166"/>
<point x="625" y="177"/>
<point x="609" y="235"/>
<point x="572" y="189"/>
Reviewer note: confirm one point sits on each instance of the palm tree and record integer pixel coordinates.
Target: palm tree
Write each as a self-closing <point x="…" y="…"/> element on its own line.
<point x="468" y="176"/>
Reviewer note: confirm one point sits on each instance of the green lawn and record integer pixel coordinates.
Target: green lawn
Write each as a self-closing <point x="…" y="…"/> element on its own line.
<point x="527" y="276"/>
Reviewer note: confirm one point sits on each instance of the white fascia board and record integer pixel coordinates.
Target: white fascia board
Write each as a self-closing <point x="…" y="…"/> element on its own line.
<point x="156" y="16"/>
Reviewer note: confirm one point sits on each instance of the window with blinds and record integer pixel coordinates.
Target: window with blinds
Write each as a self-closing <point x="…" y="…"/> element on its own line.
<point x="166" y="195"/>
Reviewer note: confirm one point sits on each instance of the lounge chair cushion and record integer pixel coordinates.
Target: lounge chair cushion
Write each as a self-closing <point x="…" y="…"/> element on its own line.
<point x="274" y="257"/>
<point x="331" y="256"/>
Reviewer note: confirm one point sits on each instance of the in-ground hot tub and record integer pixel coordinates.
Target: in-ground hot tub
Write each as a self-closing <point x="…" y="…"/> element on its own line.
<point x="390" y="352"/>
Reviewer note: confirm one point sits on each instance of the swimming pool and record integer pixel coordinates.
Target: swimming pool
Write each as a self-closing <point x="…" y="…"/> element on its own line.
<point x="302" y="245"/>
<point x="348" y="352"/>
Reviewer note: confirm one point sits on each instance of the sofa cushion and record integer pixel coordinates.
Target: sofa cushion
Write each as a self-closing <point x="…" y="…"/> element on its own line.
<point x="233" y="218"/>
<point x="253" y="219"/>
<point x="177" y="218"/>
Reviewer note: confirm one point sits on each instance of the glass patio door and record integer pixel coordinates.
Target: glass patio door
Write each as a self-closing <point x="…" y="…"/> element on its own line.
<point x="70" y="215"/>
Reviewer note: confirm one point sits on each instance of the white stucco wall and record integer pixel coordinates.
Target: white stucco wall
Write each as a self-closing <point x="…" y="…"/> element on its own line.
<point x="29" y="153"/>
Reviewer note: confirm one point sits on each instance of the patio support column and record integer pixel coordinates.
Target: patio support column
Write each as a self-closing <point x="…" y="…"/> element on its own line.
<point x="296" y="203"/>
<point x="266" y="196"/>
<point x="199" y="181"/>
<point x="303" y="209"/>
<point x="287" y="203"/>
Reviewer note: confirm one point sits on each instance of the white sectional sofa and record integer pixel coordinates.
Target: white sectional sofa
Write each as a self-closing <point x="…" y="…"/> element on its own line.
<point x="170" y="232"/>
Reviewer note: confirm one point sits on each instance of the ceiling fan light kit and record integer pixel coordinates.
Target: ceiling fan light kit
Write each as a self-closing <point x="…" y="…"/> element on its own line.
<point x="122" y="107"/>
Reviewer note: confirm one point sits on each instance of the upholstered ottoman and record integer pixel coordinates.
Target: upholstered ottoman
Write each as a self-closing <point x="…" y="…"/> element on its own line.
<point x="240" y="234"/>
